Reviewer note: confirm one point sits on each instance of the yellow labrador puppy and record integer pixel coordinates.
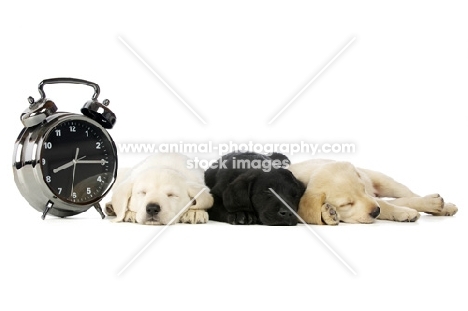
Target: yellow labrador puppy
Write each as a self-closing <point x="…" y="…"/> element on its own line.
<point x="338" y="191"/>
<point x="157" y="189"/>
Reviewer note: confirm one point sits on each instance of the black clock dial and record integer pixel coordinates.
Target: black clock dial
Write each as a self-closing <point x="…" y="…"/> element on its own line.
<point x="78" y="161"/>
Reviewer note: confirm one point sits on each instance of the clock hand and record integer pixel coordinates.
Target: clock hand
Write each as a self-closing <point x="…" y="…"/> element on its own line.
<point x="102" y="161"/>
<point x="66" y="165"/>
<point x="74" y="169"/>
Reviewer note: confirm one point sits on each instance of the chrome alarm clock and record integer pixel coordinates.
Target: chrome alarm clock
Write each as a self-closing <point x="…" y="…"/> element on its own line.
<point x="64" y="163"/>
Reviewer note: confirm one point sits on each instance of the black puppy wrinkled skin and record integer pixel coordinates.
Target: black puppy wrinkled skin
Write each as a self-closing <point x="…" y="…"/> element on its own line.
<point x="242" y="195"/>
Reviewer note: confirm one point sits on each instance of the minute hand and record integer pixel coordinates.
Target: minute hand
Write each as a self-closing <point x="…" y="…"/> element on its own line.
<point x="92" y="162"/>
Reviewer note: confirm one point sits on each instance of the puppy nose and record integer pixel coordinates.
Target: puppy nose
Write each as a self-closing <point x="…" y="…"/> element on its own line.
<point x="153" y="209"/>
<point x="375" y="212"/>
<point x="284" y="212"/>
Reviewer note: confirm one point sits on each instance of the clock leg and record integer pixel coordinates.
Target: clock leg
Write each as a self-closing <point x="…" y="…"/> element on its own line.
<point x="98" y="208"/>
<point x="49" y="205"/>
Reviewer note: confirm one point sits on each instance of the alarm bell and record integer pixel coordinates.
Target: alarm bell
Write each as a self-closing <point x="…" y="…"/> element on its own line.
<point x="38" y="111"/>
<point x="99" y="113"/>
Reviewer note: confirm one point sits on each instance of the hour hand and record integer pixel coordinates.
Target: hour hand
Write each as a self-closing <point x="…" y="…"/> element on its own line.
<point x="66" y="165"/>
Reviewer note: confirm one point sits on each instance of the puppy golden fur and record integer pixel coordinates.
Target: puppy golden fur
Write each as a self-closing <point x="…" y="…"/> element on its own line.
<point x="338" y="191"/>
<point x="157" y="190"/>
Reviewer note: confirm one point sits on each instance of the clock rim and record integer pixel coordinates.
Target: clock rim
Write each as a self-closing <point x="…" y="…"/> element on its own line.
<point x="104" y="132"/>
<point x="28" y="173"/>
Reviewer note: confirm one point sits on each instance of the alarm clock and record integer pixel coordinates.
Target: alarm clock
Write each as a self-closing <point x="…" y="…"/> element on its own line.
<point x="64" y="163"/>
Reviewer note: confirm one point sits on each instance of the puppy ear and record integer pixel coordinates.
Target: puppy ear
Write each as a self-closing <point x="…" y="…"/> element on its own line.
<point x="299" y="185"/>
<point x="204" y="200"/>
<point x="281" y="157"/>
<point x="310" y="207"/>
<point x="236" y="197"/>
<point x="120" y="199"/>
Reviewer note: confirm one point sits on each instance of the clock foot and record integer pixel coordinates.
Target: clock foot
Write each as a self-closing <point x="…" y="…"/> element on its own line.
<point x="98" y="208"/>
<point x="47" y="209"/>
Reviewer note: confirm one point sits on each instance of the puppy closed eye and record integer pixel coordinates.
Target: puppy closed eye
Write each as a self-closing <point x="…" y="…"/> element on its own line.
<point x="296" y="195"/>
<point x="141" y="192"/>
<point x="349" y="204"/>
<point x="171" y="195"/>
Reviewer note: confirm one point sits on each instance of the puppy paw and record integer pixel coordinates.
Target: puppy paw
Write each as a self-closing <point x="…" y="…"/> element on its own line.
<point x="194" y="217"/>
<point x="432" y="203"/>
<point x="242" y="218"/>
<point x="449" y="209"/>
<point x="130" y="216"/>
<point x="406" y="215"/>
<point x="109" y="209"/>
<point x="329" y="215"/>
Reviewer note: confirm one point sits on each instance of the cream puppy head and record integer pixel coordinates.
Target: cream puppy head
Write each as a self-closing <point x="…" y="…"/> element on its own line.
<point x="155" y="196"/>
<point x="341" y="185"/>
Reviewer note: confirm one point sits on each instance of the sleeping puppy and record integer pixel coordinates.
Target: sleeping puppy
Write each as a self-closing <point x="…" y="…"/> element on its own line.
<point x="240" y="183"/>
<point x="158" y="189"/>
<point x="356" y="195"/>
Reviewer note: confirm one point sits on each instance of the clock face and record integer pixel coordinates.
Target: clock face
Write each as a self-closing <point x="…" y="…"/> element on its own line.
<point x="78" y="161"/>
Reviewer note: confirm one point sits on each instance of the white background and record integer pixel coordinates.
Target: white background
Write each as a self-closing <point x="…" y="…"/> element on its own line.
<point x="398" y="92"/>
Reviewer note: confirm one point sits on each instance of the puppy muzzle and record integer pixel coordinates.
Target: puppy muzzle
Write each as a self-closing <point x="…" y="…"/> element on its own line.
<point x="284" y="217"/>
<point x="152" y="211"/>
<point x="375" y="212"/>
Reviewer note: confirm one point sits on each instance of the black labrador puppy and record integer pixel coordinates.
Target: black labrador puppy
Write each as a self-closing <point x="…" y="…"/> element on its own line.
<point x="240" y="183"/>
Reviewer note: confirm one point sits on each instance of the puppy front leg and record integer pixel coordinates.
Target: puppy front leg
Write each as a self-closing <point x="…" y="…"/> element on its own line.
<point x="194" y="216"/>
<point x="197" y="213"/>
<point x="239" y="214"/>
<point x="242" y="218"/>
<point x="237" y="203"/>
<point x="449" y="209"/>
<point x="432" y="203"/>
<point x="130" y="216"/>
<point x="387" y="187"/>
<point x="329" y="215"/>
<point x="393" y="212"/>
<point x="313" y="209"/>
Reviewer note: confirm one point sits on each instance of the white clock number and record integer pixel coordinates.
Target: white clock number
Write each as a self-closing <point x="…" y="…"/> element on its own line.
<point x="58" y="133"/>
<point x="86" y="133"/>
<point x="98" y="145"/>
<point x="88" y="190"/>
<point x="60" y="190"/>
<point x="74" y="195"/>
<point x="99" y="179"/>
<point x="48" y="178"/>
<point x="48" y="145"/>
<point x="72" y="128"/>
<point x="43" y="161"/>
